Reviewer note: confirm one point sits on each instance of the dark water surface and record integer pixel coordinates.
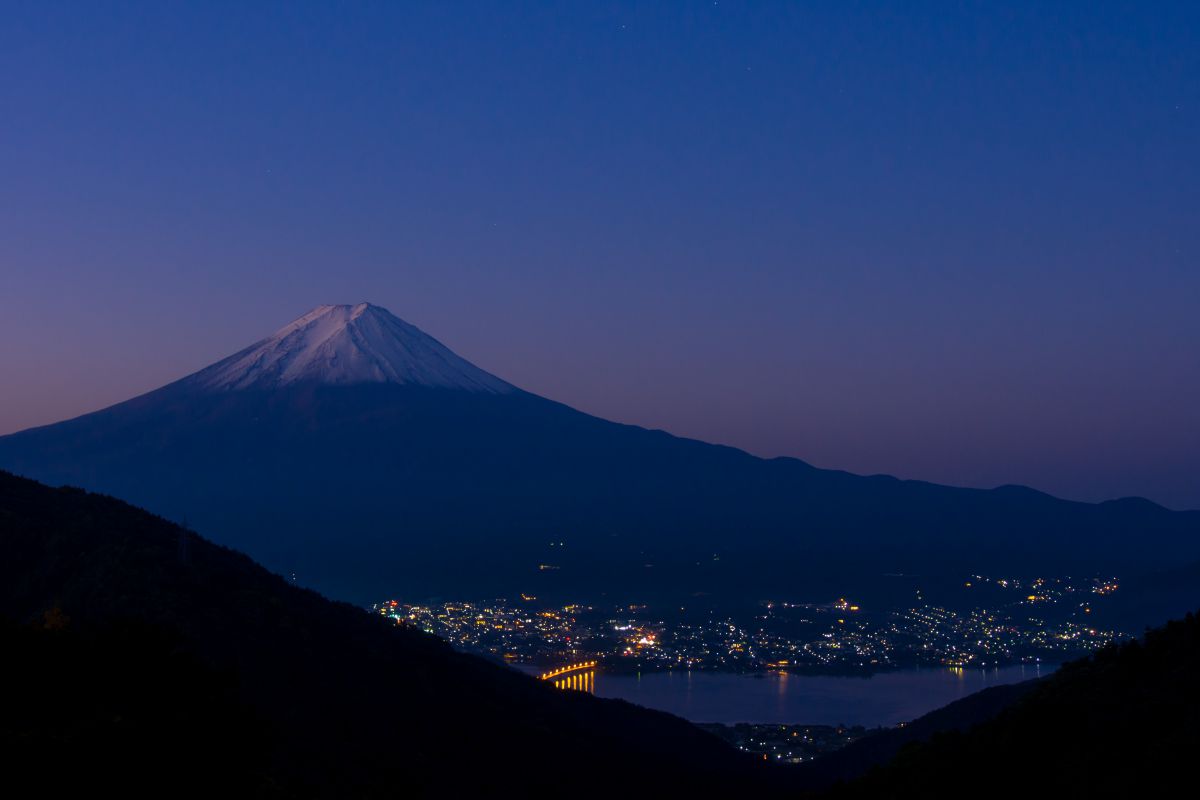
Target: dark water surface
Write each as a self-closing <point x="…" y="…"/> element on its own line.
<point x="885" y="699"/>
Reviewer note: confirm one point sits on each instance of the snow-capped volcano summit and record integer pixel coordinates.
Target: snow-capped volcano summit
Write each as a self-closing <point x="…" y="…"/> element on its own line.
<point x="345" y="345"/>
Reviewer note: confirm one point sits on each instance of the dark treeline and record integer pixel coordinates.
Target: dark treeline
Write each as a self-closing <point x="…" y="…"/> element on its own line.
<point x="1124" y="722"/>
<point x="140" y="663"/>
<point x="123" y="707"/>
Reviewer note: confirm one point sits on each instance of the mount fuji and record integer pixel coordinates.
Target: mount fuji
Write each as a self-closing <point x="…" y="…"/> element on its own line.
<point x="342" y="346"/>
<point x="359" y="454"/>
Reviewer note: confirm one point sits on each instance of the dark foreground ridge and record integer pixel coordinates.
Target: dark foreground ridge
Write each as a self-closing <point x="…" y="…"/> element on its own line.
<point x="139" y="656"/>
<point x="1124" y="722"/>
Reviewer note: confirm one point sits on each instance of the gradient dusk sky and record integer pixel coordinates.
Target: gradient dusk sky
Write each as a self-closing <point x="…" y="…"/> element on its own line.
<point x="954" y="241"/>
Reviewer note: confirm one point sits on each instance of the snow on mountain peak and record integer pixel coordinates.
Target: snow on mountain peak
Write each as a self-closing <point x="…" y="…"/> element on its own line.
<point x="345" y="345"/>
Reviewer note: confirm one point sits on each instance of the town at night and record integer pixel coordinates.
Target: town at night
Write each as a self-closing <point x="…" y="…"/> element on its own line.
<point x="1033" y="620"/>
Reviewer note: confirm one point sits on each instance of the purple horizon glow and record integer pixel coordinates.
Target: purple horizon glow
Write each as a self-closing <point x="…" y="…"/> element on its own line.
<point x="955" y="245"/>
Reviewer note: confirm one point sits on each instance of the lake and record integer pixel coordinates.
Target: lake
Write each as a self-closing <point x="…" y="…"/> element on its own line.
<point x="887" y="698"/>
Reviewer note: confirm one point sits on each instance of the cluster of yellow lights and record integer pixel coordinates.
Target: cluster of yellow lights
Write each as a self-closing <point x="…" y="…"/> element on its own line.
<point x="569" y="668"/>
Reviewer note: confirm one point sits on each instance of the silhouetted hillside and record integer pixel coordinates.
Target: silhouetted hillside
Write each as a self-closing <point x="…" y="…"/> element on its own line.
<point x="1122" y="723"/>
<point x="122" y="709"/>
<point x="878" y="748"/>
<point x="139" y="653"/>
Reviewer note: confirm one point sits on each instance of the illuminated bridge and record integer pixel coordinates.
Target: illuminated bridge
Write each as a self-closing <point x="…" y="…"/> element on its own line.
<point x="581" y="677"/>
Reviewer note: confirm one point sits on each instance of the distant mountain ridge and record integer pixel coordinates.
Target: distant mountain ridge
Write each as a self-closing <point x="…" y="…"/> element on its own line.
<point x="357" y="452"/>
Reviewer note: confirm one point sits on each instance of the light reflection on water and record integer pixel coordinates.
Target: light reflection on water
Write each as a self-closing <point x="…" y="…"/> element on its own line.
<point x="885" y="699"/>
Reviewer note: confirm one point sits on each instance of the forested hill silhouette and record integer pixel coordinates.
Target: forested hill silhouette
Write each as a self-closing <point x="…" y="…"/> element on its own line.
<point x="143" y="658"/>
<point x="1124" y="722"/>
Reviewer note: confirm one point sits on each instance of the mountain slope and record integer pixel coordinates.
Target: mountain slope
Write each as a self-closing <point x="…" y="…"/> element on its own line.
<point x="170" y="634"/>
<point x="345" y="450"/>
<point x="78" y="704"/>
<point x="1122" y="723"/>
<point x="343" y="345"/>
<point x="1151" y="599"/>
<point x="881" y="747"/>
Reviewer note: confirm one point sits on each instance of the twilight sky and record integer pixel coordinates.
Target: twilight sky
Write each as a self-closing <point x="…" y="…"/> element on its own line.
<point x="952" y="242"/>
